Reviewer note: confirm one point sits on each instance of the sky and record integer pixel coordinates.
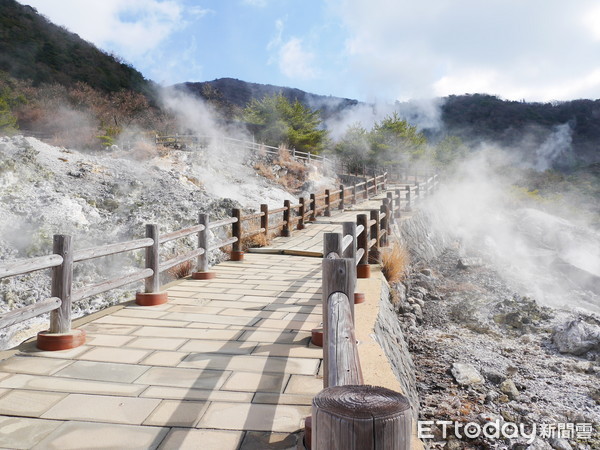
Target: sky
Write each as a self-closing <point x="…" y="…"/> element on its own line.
<point x="370" y="50"/>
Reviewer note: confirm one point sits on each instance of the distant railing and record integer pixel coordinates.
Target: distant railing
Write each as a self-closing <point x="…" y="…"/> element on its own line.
<point x="185" y="141"/>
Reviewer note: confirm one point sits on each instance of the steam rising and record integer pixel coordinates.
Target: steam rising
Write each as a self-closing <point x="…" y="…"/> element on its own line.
<point x="553" y="259"/>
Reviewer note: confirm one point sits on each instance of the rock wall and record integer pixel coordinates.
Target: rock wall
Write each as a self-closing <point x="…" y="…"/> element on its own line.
<point x="424" y="243"/>
<point x="391" y="339"/>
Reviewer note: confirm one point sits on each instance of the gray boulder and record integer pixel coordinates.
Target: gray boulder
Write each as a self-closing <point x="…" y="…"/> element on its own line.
<point x="466" y="374"/>
<point x="577" y="337"/>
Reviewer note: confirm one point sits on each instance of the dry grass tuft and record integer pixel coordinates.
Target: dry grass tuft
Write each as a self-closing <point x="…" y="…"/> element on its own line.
<point x="258" y="240"/>
<point x="394" y="262"/>
<point x="181" y="270"/>
<point x="264" y="171"/>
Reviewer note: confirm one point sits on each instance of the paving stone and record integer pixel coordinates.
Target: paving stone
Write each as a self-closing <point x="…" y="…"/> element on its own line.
<point x="211" y="318"/>
<point x="178" y="393"/>
<point x="174" y="413"/>
<point x="174" y="376"/>
<point x="156" y="343"/>
<point x="107" y="340"/>
<point x="287" y="324"/>
<point x="77" y="435"/>
<point x="187" y="439"/>
<point x="247" y="363"/>
<point x="287" y="337"/>
<point x="24" y="433"/>
<point x="102" y="408"/>
<point x="252" y="313"/>
<point x="284" y="350"/>
<point x="259" y="417"/>
<point x="108" y="328"/>
<point x="198" y="309"/>
<point x="117" y="355"/>
<point x="30" y="349"/>
<point x="254" y="382"/>
<point x="68" y="385"/>
<point x="283" y="399"/>
<point x="224" y="347"/>
<point x="300" y="384"/>
<point x="28" y="403"/>
<point x="140" y="321"/>
<point x="188" y="333"/>
<point x="99" y="371"/>
<point x="142" y="313"/>
<point x="165" y="358"/>
<point x="260" y="440"/>
<point x="33" y="365"/>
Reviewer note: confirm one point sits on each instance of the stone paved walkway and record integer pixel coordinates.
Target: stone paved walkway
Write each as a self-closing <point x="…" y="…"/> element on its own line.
<point x="225" y="364"/>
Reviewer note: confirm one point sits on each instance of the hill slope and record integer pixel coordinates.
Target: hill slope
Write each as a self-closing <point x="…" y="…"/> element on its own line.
<point x="31" y="47"/>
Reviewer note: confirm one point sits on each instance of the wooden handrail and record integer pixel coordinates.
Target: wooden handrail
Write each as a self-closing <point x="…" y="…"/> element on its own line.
<point x="223" y="243"/>
<point x="110" y="249"/>
<point x="23" y="266"/>
<point x="181" y="259"/>
<point x="277" y="210"/>
<point x="107" y="285"/>
<point x="252" y="216"/>
<point x="179" y="234"/>
<point x="29" y="311"/>
<point x="220" y="223"/>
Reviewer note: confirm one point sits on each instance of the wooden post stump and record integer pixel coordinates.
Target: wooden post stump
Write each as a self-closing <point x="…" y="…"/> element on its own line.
<point x="202" y="273"/>
<point x="152" y="294"/>
<point x="60" y="336"/>
<point x="301" y="214"/>
<point x="360" y="418"/>
<point x="237" y="254"/>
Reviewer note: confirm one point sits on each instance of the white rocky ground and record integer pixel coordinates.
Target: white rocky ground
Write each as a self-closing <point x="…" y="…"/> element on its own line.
<point x="486" y="353"/>
<point x="107" y="197"/>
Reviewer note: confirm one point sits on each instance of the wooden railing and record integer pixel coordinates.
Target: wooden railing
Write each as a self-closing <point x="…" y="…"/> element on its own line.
<point x="347" y="414"/>
<point x="371" y="233"/>
<point x="62" y="261"/>
<point x="185" y="141"/>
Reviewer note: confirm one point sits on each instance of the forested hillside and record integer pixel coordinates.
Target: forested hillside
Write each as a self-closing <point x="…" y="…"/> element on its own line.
<point x="33" y="48"/>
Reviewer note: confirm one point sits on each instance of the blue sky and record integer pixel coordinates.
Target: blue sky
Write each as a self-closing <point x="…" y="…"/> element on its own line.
<point x="539" y="50"/>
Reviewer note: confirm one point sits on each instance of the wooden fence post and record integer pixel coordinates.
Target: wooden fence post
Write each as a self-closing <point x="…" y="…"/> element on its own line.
<point x="383" y="222"/>
<point x="374" y="253"/>
<point x="152" y="294"/>
<point x="363" y="269"/>
<point x="398" y="212"/>
<point x="354" y="194"/>
<point x="359" y="417"/>
<point x="342" y="197"/>
<point x="203" y="273"/>
<point x="408" y="200"/>
<point x="338" y="276"/>
<point x="59" y="335"/>
<point x="264" y="219"/>
<point x="313" y="207"/>
<point x="349" y="228"/>
<point x="285" y="232"/>
<point x="392" y="204"/>
<point x="237" y="253"/>
<point x="327" y="212"/>
<point x="301" y="212"/>
<point x="417" y="192"/>
<point x="332" y="245"/>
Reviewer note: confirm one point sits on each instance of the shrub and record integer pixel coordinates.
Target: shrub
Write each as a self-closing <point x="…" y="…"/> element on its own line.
<point x="394" y="262"/>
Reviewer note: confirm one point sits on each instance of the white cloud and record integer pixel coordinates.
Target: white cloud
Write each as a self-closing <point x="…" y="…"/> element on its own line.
<point x="257" y="3"/>
<point x="293" y="60"/>
<point x="128" y="27"/>
<point x="537" y="50"/>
